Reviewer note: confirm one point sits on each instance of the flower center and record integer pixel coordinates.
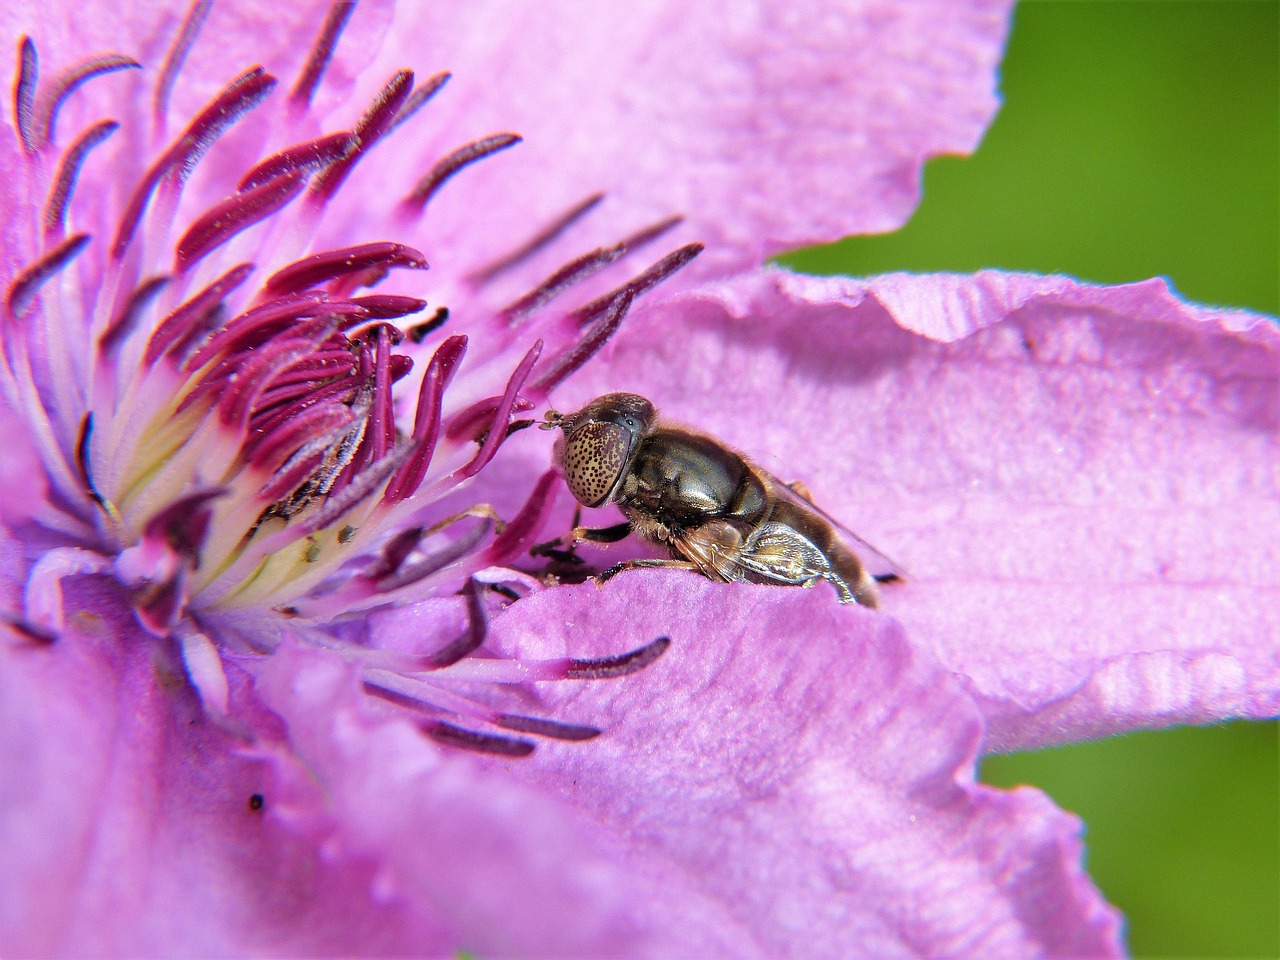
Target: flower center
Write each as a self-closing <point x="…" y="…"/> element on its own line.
<point x="214" y="407"/>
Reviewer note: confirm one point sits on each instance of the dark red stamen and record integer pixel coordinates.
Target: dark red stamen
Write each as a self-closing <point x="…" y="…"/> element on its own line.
<point x="321" y="52"/>
<point x="394" y="553"/>
<point x="420" y="331"/>
<point x="272" y="450"/>
<point x="462" y="157"/>
<point x="70" y="81"/>
<point x="475" y="421"/>
<point x="641" y="283"/>
<point x="497" y="429"/>
<point x="55" y="208"/>
<point x="32" y="631"/>
<point x="541" y="239"/>
<point x="257" y="325"/>
<point x="603" y="668"/>
<point x="368" y="131"/>
<point x="261" y="366"/>
<point x="426" y="426"/>
<point x="127" y="319"/>
<point x="519" y="534"/>
<point x="308" y="156"/>
<point x="332" y="264"/>
<point x="582" y="351"/>
<point x="82" y="460"/>
<point x="477" y="630"/>
<point x="177" y="55"/>
<point x="171" y="329"/>
<point x="235" y="100"/>
<point x="572" y="272"/>
<point x="29" y="281"/>
<point x="184" y="523"/>
<point x="24" y="93"/>
<point x="221" y="222"/>
<point x="389" y="306"/>
<point x="546" y="728"/>
<point x="420" y="98"/>
<point x="463" y="739"/>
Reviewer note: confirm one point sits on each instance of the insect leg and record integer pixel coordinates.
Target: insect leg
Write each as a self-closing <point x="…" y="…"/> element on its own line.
<point x="644" y="563"/>
<point x="557" y="548"/>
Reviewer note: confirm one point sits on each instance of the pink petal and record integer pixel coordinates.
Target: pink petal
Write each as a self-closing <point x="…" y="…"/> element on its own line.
<point x="810" y="786"/>
<point x="1081" y="481"/>
<point x="768" y="128"/>
<point x="127" y="823"/>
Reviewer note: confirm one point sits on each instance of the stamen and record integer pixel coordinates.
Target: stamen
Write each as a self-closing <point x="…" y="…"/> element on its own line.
<point x="584" y="349"/>
<point x="332" y="264"/>
<point x="221" y="222"/>
<point x="124" y="323"/>
<point x="67" y="84"/>
<point x="477" y="630"/>
<point x="308" y="156"/>
<point x="235" y="100"/>
<point x="25" y="286"/>
<point x="321" y="52"/>
<point x="420" y="331"/>
<point x="82" y="461"/>
<point x="172" y="327"/>
<point x="258" y="324"/>
<point x="642" y="282"/>
<point x="617" y="666"/>
<point x="177" y="55"/>
<point x="475" y="422"/>
<point x="420" y="98"/>
<point x="24" y="93"/>
<point x="546" y="728"/>
<point x="464" y="739"/>
<point x="550" y="288"/>
<point x="519" y="534"/>
<point x="33" y="631"/>
<point x="389" y="306"/>
<point x="368" y="131"/>
<point x="426" y="425"/>
<point x="541" y="239"/>
<point x="462" y="157"/>
<point x="55" y="209"/>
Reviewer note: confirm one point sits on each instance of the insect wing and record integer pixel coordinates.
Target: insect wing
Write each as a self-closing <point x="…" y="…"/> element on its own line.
<point x="877" y="564"/>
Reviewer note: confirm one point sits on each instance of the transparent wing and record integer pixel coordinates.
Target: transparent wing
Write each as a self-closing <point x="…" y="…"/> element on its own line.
<point x="877" y="563"/>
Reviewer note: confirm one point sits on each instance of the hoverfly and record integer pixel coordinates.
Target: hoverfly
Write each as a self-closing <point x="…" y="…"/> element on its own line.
<point x="712" y="508"/>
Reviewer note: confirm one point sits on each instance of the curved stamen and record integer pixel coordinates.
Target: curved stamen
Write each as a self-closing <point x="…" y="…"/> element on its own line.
<point x="321" y="52"/>
<point x="541" y="239"/>
<point x="27" y="283"/>
<point x="464" y="739"/>
<point x="420" y="98"/>
<point x="24" y="93"/>
<point x="600" y="668"/>
<point x="641" y="283"/>
<point x="177" y="55"/>
<point x="546" y="728"/>
<point x="426" y="425"/>
<point x="128" y="318"/>
<point x="333" y="264"/>
<point x="68" y="82"/>
<point x="582" y="351"/>
<point x="308" y="156"/>
<point x="171" y="329"/>
<point x="221" y="222"/>
<point x="376" y="121"/>
<point x="55" y="208"/>
<point x="461" y="158"/>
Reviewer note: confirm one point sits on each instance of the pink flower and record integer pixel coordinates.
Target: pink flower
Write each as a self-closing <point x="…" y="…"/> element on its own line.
<point x="263" y="690"/>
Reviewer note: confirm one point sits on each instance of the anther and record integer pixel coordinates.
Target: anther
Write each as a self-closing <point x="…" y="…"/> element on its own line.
<point x="311" y="155"/>
<point x="321" y="52"/>
<point x="461" y="158"/>
<point x="453" y="736"/>
<point x="584" y="349"/>
<point x="172" y="328"/>
<point x="24" y="93"/>
<point x="420" y="98"/>
<point x="66" y="84"/>
<point x="420" y="331"/>
<point x="27" y="283"/>
<point x="543" y="238"/>
<point x="368" y="131"/>
<point x="477" y="630"/>
<point x="546" y="728"/>
<point x="322" y="267"/>
<point x="617" y="666"/>
<point x="177" y="55"/>
<point x="55" y="209"/>
<point x="221" y="222"/>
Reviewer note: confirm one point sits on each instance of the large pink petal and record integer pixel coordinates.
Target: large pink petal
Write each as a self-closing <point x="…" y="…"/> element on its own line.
<point x="127" y="823"/>
<point x="805" y="773"/>
<point x="768" y="126"/>
<point x="1081" y="481"/>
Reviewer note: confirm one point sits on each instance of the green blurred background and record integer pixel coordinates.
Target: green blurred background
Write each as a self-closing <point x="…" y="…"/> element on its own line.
<point x="1136" y="139"/>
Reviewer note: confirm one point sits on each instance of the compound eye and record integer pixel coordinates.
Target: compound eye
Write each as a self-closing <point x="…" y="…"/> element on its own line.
<point x="594" y="458"/>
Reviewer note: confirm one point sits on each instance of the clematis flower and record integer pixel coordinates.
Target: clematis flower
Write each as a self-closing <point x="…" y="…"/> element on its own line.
<point x="273" y="672"/>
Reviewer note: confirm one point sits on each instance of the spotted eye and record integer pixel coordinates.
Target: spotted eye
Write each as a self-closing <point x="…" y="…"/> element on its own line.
<point x="594" y="458"/>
